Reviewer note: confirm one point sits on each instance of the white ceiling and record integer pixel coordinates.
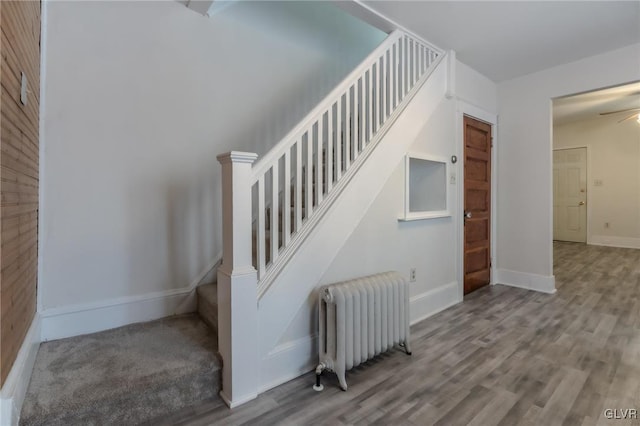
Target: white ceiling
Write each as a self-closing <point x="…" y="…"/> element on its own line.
<point x="587" y="106"/>
<point x="507" y="39"/>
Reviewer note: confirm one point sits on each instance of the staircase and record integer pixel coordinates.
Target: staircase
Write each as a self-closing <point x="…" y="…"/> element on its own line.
<point x="280" y="221"/>
<point x="329" y="146"/>
<point x="285" y="215"/>
<point x="270" y="211"/>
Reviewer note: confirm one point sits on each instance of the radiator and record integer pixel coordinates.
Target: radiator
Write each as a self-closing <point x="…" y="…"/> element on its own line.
<point x="360" y="319"/>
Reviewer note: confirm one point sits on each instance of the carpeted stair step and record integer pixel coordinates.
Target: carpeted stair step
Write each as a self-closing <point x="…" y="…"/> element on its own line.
<point x="208" y="305"/>
<point x="125" y="376"/>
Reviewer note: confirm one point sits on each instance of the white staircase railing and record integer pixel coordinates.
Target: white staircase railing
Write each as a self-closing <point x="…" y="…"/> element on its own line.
<point x="303" y="173"/>
<point x="270" y="208"/>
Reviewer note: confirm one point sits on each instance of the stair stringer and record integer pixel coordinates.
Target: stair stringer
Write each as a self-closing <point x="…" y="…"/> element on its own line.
<point x="279" y="305"/>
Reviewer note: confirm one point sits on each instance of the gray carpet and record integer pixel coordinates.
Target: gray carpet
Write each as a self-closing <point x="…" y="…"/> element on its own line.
<point x="125" y="376"/>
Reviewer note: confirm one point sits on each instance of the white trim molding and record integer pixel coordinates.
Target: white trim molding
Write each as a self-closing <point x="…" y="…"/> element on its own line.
<point x="239" y="401"/>
<point x="42" y="199"/>
<point x="451" y="81"/>
<point x="614" y="241"/>
<point x="535" y="282"/>
<point x="433" y="301"/>
<point x="69" y="321"/>
<point x="15" y="387"/>
<point x="288" y="361"/>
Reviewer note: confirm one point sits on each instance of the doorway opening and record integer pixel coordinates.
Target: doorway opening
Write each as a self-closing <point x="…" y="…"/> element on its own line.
<point x="596" y="170"/>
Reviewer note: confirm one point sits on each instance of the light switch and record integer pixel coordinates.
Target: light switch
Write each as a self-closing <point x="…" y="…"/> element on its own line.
<point x="23" y="89"/>
<point x="597" y="182"/>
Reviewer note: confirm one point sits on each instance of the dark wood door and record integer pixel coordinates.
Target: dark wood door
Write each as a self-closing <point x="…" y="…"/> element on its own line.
<point x="477" y="204"/>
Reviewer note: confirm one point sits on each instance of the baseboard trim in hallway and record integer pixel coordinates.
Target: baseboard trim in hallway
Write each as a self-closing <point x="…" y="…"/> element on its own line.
<point x="610" y="241"/>
<point x="433" y="301"/>
<point x="541" y="283"/>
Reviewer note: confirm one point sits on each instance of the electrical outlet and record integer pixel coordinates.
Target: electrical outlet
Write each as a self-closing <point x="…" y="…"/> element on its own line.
<point x="412" y="275"/>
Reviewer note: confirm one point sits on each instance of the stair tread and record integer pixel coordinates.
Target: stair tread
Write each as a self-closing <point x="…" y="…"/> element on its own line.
<point x="127" y="375"/>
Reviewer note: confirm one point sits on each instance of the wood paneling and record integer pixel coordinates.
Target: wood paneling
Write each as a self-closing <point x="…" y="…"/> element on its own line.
<point x="19" y="174"/>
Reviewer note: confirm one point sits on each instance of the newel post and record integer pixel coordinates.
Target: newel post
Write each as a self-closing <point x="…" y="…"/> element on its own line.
<point x="237" y="284"/>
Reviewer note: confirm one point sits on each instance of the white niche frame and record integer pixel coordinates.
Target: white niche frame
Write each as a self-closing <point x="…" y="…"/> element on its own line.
<point x="435" y="184"/>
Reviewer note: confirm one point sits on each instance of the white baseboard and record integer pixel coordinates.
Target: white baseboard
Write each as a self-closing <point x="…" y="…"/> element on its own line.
<point x="237" y="402"/>
<point x="15" y="387"/>
<point x="69" y="321"/>
<point x="541" y="283"/>
<point x="621" y="242"/>
<point x="433" y="301"/>
<point x="288" y="361"/>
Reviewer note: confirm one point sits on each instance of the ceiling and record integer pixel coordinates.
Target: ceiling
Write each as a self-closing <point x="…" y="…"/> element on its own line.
<point x="508" y="39"/>
<point x="589" y="105"/>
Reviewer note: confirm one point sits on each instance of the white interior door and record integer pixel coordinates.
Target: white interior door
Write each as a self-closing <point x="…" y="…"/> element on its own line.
<point x="570" y="195"/>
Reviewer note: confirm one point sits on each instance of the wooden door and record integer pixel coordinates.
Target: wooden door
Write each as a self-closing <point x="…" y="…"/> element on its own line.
<point x="477" y="204"/>
<point x="570" y="195"/>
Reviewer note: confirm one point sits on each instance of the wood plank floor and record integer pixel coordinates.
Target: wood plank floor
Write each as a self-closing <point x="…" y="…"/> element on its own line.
<point x="505" y="356"/>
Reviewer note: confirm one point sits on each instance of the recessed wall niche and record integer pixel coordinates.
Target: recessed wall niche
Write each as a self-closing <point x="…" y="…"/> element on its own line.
<point x="426" y="189"/>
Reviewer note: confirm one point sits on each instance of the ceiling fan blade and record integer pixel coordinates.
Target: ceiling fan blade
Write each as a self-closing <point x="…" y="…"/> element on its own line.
<point x="622" y="110"/>
<point x="629" y="117"/>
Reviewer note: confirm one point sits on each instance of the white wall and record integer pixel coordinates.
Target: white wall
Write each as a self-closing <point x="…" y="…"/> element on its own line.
<point x="140" y="97"/>
<point x="525" y="197"/>
<point x="614" y="159"/>
<point x="381" y="243"/>
<point x="475" y="89"/>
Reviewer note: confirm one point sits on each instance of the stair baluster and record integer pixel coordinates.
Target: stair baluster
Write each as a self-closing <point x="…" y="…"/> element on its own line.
<point x="296" y="181"/>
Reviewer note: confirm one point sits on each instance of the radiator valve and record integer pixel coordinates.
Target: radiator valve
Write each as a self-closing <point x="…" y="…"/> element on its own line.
<point x="318" y="386"/>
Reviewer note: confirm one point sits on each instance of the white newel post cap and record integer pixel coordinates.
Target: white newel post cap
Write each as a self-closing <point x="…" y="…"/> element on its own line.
<point x="237" y="157"/>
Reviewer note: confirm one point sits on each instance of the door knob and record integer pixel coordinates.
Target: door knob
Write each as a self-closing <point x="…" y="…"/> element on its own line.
<point x="467" y="215"/>
<point x="581" y="203"/>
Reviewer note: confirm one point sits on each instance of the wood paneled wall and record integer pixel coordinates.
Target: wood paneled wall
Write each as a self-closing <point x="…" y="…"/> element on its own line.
<point x="19" y="141"/>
